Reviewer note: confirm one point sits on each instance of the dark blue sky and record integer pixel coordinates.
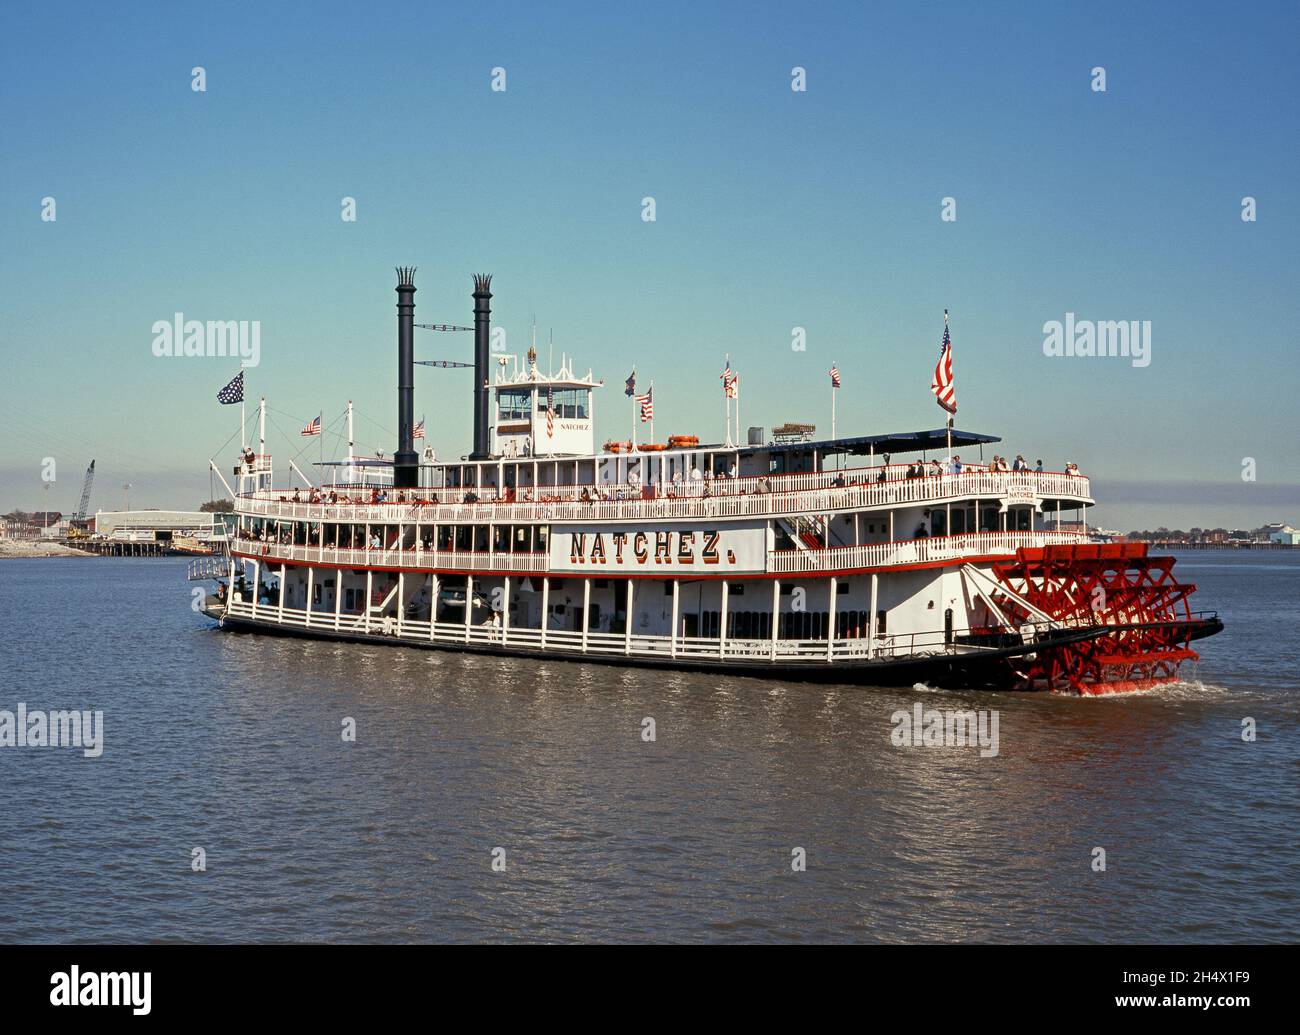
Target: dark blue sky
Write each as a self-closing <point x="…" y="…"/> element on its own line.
<point x="775" y="210"/>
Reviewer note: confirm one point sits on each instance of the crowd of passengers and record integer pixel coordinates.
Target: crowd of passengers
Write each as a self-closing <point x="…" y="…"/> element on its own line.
<point x="697" y="484"/>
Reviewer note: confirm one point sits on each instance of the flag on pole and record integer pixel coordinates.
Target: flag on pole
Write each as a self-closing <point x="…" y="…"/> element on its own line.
<point x="418" y="431"/>
<point x="313" y="426"/>
<point x="630" y="390"/>
<point x="550" y="412"/>
<point x="233" y="392"/>
<point x="835" y="376"/>
<point x="942" y="384"/>
<point x="647" y="406"/>
<point x="730" y="381"/>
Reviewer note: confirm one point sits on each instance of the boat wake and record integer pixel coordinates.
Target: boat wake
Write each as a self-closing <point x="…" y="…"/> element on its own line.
<point x="1182" y="690"/>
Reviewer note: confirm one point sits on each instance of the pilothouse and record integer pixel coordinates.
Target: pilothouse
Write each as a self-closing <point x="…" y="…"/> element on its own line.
<point x="852" y="559"/>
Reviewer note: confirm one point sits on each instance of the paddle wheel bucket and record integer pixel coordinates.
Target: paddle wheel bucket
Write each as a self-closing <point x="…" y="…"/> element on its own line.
<point x="1141" y="611"/>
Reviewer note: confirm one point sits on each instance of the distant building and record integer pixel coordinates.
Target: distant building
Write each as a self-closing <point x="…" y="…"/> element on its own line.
<point x="34" y="525"/>
<point x="1067" y="526"/>
<point x="157" y="526"/>
<point x="1284" y="534"/>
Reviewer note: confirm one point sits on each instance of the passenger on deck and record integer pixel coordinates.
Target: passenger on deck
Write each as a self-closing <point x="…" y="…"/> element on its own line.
<point x="1038" y="467"/>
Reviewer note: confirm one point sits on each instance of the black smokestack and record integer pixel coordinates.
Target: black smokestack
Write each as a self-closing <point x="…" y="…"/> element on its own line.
<point x="406" y="463"/>
<point x="482" y="324"/>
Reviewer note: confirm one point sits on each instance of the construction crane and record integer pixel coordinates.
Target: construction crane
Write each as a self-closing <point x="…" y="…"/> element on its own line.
<point x="85" y="492"/>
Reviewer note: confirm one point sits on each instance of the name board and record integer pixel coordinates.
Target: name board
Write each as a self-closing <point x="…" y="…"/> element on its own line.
<point x="653" y="549"/>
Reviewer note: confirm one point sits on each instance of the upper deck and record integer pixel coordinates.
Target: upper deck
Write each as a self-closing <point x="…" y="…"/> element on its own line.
<point x="826" y="492"/>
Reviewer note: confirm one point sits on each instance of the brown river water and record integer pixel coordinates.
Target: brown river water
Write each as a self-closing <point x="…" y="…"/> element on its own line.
<point x="232" y="744"/>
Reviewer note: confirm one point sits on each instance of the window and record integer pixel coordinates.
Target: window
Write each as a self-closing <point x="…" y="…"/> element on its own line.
<point x="569" y="402"/>
<point x="514" y="403"/>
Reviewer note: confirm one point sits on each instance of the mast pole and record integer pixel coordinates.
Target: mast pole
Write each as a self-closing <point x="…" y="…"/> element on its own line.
<point x="948" y="508"/>
<point x="832" y="403"/>
<point x="726" y="400"/>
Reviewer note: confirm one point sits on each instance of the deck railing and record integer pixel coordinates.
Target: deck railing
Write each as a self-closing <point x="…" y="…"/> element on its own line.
<point x="592" y="642"/>
<point x="915" y="551"/>
<point x="843" y="558"/>
<point x="727" y="498"/>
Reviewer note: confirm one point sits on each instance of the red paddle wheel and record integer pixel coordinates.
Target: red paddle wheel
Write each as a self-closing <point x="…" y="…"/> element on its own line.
<point x="1115" y="586"/>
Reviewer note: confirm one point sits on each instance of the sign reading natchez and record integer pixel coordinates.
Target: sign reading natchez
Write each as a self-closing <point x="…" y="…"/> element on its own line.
<point x="657" y="548"/>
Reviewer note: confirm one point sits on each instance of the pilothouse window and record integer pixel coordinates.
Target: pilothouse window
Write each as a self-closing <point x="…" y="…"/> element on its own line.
<point x="515" y="403"/>
<point x="569" y="402"/>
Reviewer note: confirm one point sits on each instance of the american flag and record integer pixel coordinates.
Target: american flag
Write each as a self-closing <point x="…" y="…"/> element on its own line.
<point x="233" y="392"/>
<point x="835" y="376"/>
<point x="418" y="431"/>
<point x="730" y="382"/>
<point x="550" y="413"/>
<point x="313" y="426"/>
<point x="630" y="390"/>
<point x="647" y="406"/>
<point x="942" y="385"/>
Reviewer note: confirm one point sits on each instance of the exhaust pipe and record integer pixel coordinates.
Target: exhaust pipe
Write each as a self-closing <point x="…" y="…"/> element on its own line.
<point x="406" y="462"/>
<point x="482" y="331"/>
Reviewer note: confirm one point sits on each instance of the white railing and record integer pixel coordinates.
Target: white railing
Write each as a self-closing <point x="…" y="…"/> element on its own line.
<point x="727" y="499"/>
<point x="841" y="558"/>
<point x="764" y="649"/>
<point x="915" y="551"/>
<point x="448" y="560"/>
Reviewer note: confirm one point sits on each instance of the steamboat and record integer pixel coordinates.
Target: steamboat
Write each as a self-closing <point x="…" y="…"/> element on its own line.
<point x="783" y="557"/>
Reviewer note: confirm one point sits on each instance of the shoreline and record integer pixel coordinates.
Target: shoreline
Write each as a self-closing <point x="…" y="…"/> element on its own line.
<point x="19" y="548"/>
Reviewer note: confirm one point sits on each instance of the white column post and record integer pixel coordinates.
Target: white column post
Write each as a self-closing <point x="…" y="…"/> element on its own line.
<point x="871" y="625"/>
<point x="433" y="603"/>
<point x="338" y="598"/>
<point x="831" y="623"/>
<point x="627" y="624"/>
<point x="311" y="583"/>
<point x="469" y="603"/>
<point x="505" y="613"/>
<point x="776" y="613"/>
<point x="586" y="612"/>
<point x="279" y="616"/>
<point x="722" y="622"/>
<point x="676" y="610"/>
<point x="370" y="585"/>
<point x="257" y="583"/>
<point x="401" y="599"/>
<point x="546" y="606"/>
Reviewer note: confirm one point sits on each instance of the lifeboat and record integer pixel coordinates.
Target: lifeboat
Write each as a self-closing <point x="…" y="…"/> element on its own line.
<point x="683" y="441"/>
<point x="652" y="447"/>
<point x="618" y="447"/>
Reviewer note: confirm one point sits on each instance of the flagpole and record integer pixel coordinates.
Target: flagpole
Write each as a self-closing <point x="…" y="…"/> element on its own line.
<point x="833" y="367"/>
<point x="948" y="516"/>
<point x="652" y="412"/>
<point x="726" y="399"/>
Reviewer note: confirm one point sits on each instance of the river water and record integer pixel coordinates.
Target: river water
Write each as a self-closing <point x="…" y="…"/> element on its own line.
<point x="232" y="744"/>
